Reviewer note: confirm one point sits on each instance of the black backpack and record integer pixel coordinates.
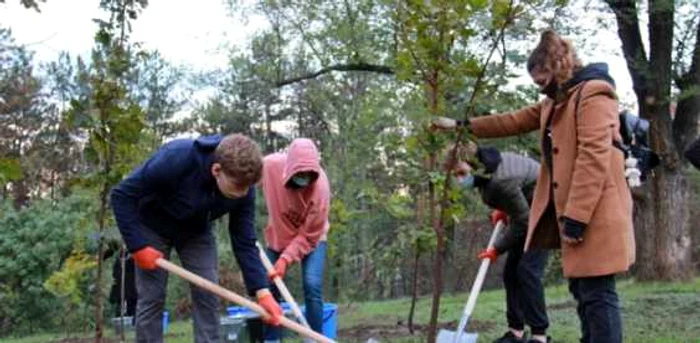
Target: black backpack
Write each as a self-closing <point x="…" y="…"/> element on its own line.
<point x="693" y="153"/>
<point x="635" y="142"/>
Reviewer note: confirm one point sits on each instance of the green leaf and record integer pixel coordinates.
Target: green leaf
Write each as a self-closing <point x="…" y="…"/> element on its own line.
<point x="10" y="170"/>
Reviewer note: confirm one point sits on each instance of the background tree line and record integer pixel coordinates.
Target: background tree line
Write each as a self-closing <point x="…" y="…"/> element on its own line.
<point x="361" y="78"/>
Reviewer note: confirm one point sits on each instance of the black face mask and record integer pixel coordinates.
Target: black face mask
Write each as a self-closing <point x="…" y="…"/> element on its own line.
<point x="550" y="90"/>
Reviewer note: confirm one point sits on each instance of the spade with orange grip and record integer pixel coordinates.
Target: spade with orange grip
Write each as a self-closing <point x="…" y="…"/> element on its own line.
<point x="240" y="300"/>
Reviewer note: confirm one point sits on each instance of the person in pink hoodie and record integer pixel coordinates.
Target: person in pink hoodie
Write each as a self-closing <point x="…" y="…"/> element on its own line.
<point x="298" y="196"/>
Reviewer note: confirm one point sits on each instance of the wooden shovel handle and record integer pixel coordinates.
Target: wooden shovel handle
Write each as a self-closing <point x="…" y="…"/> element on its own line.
<point x="281" y="286"/>
<point x="242" y="301"/>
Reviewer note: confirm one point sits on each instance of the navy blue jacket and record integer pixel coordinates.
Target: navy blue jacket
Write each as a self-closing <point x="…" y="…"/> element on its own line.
<point x="174" y="194"/>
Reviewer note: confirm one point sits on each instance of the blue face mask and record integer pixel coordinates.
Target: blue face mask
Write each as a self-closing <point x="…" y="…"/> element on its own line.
<point x="466" y="181"/>
<point x="301" y="181"/>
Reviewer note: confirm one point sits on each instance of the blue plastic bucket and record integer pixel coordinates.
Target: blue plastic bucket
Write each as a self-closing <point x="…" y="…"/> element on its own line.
<point x="330" y="319"/>
<point x="166" y="321"/>
<point x="238" y="311"/>
<point x="330" y="316"/>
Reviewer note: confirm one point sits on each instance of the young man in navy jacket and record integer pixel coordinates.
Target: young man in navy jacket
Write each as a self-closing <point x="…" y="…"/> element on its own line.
<point x="169" y="202"/>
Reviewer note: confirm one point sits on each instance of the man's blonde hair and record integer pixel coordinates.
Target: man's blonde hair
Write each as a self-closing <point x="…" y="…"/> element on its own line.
<point x="240" y="158"/>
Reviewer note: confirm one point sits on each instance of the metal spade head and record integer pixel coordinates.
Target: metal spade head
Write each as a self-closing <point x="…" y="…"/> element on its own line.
<point x="447" y="336"/>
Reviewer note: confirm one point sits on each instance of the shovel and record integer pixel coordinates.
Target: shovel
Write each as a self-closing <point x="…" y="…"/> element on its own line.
<point x="282" y="287"/>
<point x="242" y="301"/>
<point x="459" y="336"/>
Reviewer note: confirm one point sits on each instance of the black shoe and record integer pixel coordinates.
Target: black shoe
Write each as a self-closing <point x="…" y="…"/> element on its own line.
<point x="509" y="337"/>
<point x="532" y="340"/>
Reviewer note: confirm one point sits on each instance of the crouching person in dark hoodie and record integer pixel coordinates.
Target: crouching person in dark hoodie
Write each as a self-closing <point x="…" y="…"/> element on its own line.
<point x="506" y="182"/>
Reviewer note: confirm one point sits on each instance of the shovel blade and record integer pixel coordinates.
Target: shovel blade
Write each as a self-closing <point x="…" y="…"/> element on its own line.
<point x="447" y="336"/>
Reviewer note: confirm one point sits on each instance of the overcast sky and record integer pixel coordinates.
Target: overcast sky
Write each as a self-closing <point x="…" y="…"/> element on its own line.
<point x="197" y="34"/>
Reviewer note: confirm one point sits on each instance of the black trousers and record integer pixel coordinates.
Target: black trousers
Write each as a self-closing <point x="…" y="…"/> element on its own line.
<point x="598" y="308"/>
<point x="522" y="277"/>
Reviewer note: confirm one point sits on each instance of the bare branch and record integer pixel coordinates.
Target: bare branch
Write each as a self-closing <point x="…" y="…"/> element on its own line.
<point x="632" y="46"/>
<point x="685" y="37"/>
<point x="421" y="66"/>
<point x="680" y="51"/>
<point x="685" y="126"/>
<point x="693" y="75"/>
<point x="366" y="67"/>
<point x="304" y="35"/>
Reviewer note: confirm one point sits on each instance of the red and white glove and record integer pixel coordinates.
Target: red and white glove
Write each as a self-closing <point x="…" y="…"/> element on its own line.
<point x="146" y="258"/>
<point x="498" y="215"/>
<point x="489" y="253"/>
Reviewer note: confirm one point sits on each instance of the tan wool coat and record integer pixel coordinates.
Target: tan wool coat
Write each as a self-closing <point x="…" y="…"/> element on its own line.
<point x="588" y="181"/>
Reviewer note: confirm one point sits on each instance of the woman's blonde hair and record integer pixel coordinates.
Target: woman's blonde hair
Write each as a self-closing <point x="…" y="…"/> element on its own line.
<point x="556" y="54"/>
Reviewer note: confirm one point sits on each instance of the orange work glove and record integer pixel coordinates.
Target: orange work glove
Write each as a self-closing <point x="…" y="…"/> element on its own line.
<point x="489" y="253"/>
<point x="498" y="215"/>
<point x="273" y="309"/>
<point x="280" y="268"/>
<point x="146" y="258"/>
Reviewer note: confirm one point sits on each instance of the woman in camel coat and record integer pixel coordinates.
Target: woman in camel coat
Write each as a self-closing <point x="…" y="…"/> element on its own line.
<point x="582" y="203"/>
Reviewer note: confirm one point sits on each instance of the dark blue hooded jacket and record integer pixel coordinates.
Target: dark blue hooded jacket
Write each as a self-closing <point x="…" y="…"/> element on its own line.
<point x="593" y="71"/>
<point x="174" y="194"/>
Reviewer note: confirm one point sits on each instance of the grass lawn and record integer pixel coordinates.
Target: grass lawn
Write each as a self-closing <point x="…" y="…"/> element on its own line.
<point x="652" y="313"/>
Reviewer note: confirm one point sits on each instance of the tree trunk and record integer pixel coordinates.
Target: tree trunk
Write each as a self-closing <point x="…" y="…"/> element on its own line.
<point x="662" y="207"/>
<point x="439" y="255"/>
<point x="414" y="291"/>
<point x="102" y="221"/>
<point x="335" y="281"/>
<point x="122" y="288"/>
<point x="662" y="217"/>
<point x="663" y="230"/>
<point x="420" y="216"/>
<point x="53" y="185"/>
<point x="269" y="147"/>
<point x="435" y="220"/>
<point x="21" y="193"/>
<point x="99" y="318"/>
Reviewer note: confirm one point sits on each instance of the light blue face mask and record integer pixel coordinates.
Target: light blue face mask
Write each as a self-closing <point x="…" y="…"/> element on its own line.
<point x="301" y="181"/>
<point x="466" y="181"/>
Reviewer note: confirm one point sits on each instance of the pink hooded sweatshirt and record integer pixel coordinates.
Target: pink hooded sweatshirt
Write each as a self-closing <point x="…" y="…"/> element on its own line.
<point x="297" y="218"/>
